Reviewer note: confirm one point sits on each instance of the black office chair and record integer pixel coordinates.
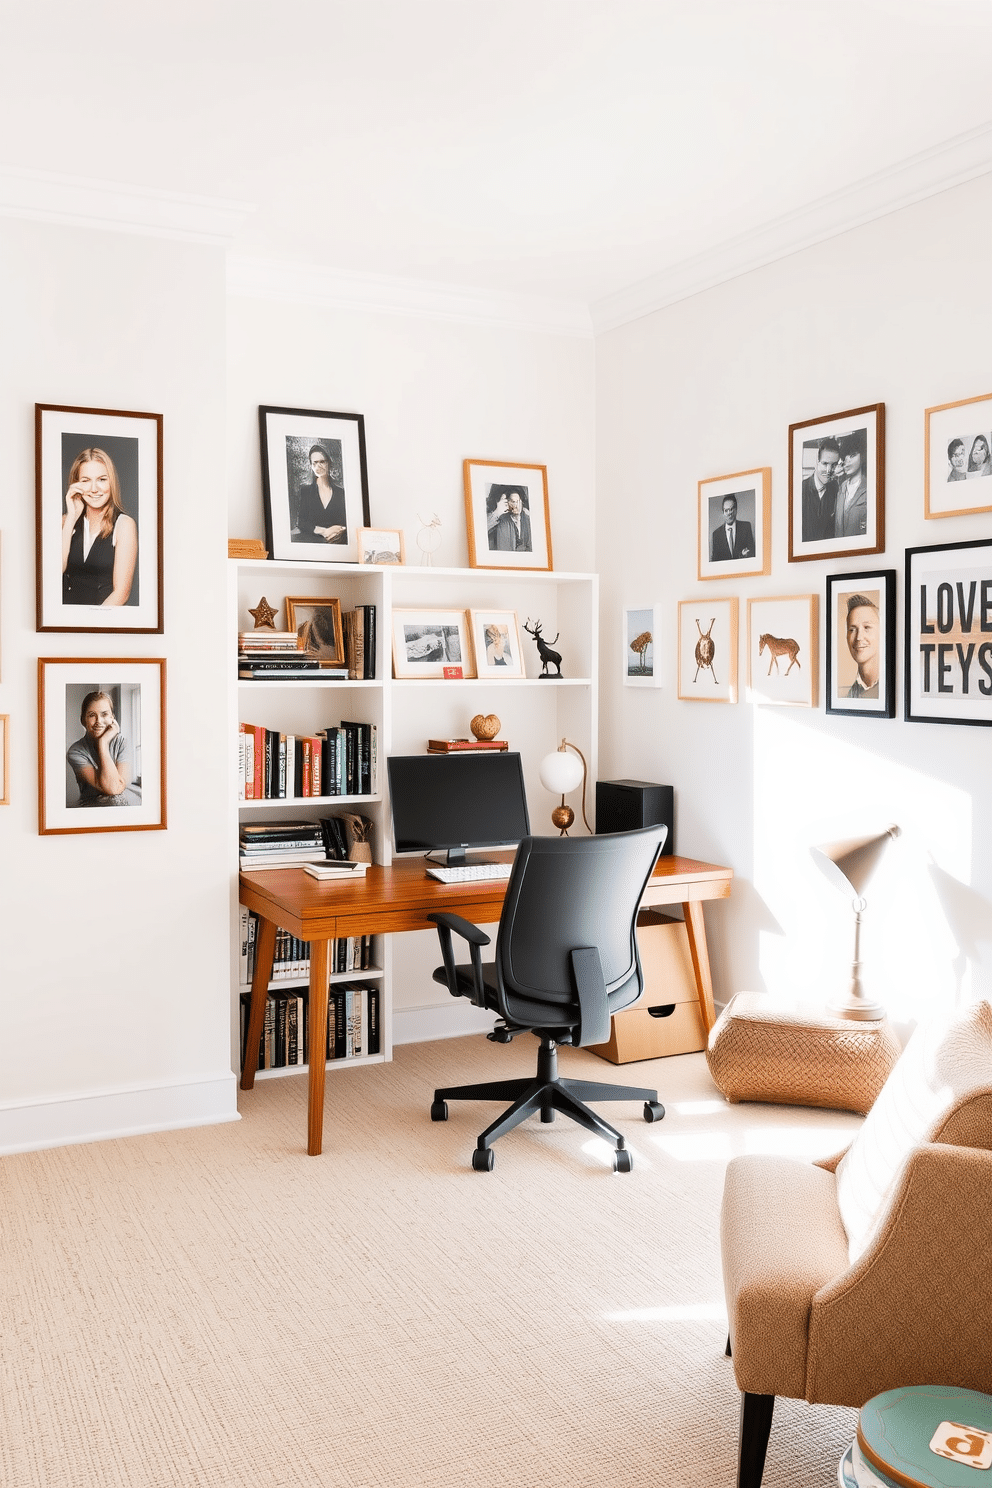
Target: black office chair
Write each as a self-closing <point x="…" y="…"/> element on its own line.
<point x="566" y="960"/>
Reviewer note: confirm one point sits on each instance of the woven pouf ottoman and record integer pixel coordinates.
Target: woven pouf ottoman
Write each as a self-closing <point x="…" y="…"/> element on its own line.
<point x="763" y="1048"/>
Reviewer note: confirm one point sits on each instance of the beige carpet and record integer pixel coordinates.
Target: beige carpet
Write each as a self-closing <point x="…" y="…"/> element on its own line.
<point x="214" y="1307"/>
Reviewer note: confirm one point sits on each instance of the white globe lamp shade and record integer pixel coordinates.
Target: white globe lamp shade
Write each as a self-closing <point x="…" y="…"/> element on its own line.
<point x="561" y="772"/>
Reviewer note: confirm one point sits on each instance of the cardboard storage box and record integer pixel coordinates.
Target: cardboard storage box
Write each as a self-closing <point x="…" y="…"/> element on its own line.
<point x="667" y="1020"/>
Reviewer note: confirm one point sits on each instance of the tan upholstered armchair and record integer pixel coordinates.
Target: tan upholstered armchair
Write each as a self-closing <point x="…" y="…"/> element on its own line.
<point x="870" y="1270"/>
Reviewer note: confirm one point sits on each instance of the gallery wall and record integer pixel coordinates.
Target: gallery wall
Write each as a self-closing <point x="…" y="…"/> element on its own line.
<point x="898" y="312"/>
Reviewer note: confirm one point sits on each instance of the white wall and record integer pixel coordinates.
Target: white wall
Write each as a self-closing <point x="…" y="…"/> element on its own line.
<point x="114" y="993"/>
<point x="898" y="312"/>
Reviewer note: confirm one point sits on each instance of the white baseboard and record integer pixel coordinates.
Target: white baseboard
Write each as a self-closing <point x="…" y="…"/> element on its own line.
<point x="95" y="1116"/>
<point x="446" y="1020"/>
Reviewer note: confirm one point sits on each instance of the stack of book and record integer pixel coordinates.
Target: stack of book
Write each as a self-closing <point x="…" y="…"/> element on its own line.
<point x="353" y="1025"/>
<point x="360" y="642"/>
<point x="274" y="656"/>
<point x="340" y="761"/>
<point x="465" y="746"/>
<point x="281" y="845"/>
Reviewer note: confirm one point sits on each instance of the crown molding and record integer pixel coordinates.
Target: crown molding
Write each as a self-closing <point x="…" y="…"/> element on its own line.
<point x="312" y="284"/>
<point x="940" y="168"/>
<point x="113" y="206"/>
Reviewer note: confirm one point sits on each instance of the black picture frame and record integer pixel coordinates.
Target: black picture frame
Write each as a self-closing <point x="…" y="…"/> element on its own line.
<point x="813" y="532"/>
<point x="845" y="634"/>
<point x="290" y="439"/>
<point x="949" y="594"/>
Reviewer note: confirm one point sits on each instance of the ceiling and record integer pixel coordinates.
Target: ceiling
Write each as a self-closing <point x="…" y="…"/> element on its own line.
<point x="561" y="148"/>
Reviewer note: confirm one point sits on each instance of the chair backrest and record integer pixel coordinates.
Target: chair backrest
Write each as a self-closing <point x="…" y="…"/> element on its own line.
<point x="569" y="892"/>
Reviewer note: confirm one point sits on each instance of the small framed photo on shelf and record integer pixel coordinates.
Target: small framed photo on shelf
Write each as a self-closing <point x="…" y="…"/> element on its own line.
<point x="431" y="644"/>
<point x="837" y="485"/>
<point x="957" y="470"/>
<point x="98" y="493"/>
<point x="315" y="483"/>
<point x="381" y="546"/>
<point x="496" y="640"/>
<point x="734" y="523"/>
<point x="4" y="759"/>
<point x="641" y="629"/>
<point x="782" y="656"/>
<point x="708" y="650"/>
<point x="861" y="643"/>
<point x="949" y="633"/>
<point x="101" y="731"/>
<point x="317" y="623"/>
<point x="507" y="515"/>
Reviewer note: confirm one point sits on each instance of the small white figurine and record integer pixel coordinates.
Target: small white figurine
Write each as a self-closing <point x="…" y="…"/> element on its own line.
<point x="428" y="538"/>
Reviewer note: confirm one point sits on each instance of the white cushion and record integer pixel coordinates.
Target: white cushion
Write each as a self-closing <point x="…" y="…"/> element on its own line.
<point x="941" y="1089"/>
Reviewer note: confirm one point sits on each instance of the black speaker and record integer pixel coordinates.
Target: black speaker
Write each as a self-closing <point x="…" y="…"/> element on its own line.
<point x="625" y="805"/>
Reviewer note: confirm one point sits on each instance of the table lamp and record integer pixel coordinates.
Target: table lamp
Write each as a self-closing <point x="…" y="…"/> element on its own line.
<point x="849" y="865"/>
<point x="560" y="773"/>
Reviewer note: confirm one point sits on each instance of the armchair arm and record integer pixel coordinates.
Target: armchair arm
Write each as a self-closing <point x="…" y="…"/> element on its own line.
<point x="446" y="923"/>
<point x="913" y="1308"/>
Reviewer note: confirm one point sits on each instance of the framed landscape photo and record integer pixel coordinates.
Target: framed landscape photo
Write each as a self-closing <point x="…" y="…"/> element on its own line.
<point x="381" y="545"/>
<point x="496" y="641"/>
<point x="507" y="514"/>
<point x="317" y="623"/>
<point x="640" y="632"/>
<point x="98" y="512"/>
<point x="101" y="744"/>
<point x="708" y="650"/>
<point x="949" y="633"/>
<point x="861" y="643"/>
<point x="734" y="523"/>
<point x="782" y="656"/>
<point x="431" y="643"/>
<point x="315" y="483"/>
<point x="837" y="485"/>
<point x="957" y="467"/>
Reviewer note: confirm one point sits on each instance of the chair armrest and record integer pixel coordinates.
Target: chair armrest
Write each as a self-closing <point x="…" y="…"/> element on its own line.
<point x="461" y="927"/>
<point x="912" y="1310"/>
<point x="446" y="923"/>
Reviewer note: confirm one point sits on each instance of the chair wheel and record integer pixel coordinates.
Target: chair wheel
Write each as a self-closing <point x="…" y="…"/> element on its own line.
<point x="439" y="1110"/>
<point x="653" y="1110"/>
<point x="482" y="1159"/>
<point x="622" y="1161"/>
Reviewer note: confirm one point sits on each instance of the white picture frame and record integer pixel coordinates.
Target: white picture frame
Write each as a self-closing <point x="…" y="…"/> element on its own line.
<point x="640" y="639"/>
<point x="783" y="665"/>
<point x="432" y="645"/>
<point x="707" y="655"/>
<point x="496" y="642"/>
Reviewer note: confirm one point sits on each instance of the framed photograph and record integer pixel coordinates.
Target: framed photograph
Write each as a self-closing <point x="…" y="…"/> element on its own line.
<point x="431" y="643"/>
<point x="507" y="515"/>
<point x="708" y="650"/>
<point x="735" y="527"/>
<point x="641" y="629"/>
<point x="381" y="545"/>
<point x="98" y="512"/>
<point x="957" y="471"/>
<point x="315" y="483"/>
<point x="837" y="485"/>
<point x="949" y="633"/>
<point x="101" y="743"/>
<point x="317" y="623"/>
<point x="497" y="645"/>
<point x="4" y="759"/>
<point x="782" y="656"/>
<point x="861" y="643"/>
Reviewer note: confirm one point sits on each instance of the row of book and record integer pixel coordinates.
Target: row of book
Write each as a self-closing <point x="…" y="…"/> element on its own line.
<point x="291" y="961"/>
<point x="266" y="655"/>
<point x="353" y="1025"/>
<point x="340" y="761"/>
<point x="359" y="630"/>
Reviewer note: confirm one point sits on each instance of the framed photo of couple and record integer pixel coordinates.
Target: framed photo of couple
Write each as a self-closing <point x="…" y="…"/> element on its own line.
<point x="861" y="643"/>
<point x="958" y="458"/>
<point x="837" y="485"/>
<point x="507" y="515"/>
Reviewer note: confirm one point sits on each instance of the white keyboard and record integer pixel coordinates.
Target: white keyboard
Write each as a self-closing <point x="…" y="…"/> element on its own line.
<point x="470" y="872"/>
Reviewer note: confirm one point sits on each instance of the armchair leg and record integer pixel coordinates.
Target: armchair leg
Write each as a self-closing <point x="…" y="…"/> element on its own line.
<point x="756" y="1425"/>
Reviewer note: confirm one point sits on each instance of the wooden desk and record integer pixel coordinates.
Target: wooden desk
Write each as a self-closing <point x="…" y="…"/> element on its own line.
<point x="400" y="898"/>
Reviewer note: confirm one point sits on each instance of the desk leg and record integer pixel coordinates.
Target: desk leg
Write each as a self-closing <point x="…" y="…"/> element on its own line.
<point x="265" y="945"/>
<point x="696" y="932"/>
<point x="319" y="979"/>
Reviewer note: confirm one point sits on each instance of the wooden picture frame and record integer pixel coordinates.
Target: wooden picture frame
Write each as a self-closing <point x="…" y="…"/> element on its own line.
<point x="4" y="759"/>
<point x="746" y="496"/>
<point x="640" y="638"/>
<point x="507" y="515"/>
<point x="123" y="698"/>
<point x="957" y="461"/>
<point x="831" y="515"/>
<point x="111" y="578"/>
<point x="318" y="627"/>
<point x="708" y="650"/>
<point x="431" y="644"/>
<point x="497" y="644"/>
<point x="948" y="644"/>
<point x="783" y="666"/>
<point x="860" y="626"/>
<point x="315" y="483"/>
<point x="381" y="546"/>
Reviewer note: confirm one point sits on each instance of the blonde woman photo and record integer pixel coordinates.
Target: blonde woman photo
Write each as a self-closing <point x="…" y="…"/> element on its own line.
<point x="99" y="539"/>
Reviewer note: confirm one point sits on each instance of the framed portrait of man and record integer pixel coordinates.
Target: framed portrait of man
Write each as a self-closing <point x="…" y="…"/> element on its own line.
<point x="734" y="524"/>
<point x="507" y="515"/>
<point x="861" y="643"/>
<point x="837" y="485"/>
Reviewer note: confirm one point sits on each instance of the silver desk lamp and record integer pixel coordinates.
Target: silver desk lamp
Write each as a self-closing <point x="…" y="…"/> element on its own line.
<point x="849" y="865"/>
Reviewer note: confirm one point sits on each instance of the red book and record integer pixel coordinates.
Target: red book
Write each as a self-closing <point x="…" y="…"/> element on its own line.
<point x="457" y="746"/>
<point x="315" y="781"/>
<point x="305" y="746"/>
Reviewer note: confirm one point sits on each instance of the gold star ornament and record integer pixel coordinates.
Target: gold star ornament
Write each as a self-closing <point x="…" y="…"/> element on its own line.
<point x="263" y="615"/>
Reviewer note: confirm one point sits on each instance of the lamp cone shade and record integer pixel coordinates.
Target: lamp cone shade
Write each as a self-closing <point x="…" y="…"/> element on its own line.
<point x="850" y="863"/>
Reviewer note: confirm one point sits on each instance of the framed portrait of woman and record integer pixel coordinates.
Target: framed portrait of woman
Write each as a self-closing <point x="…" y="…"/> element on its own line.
<point x="957" y="469"/>
<point x="315" y="483"/>
<point x="98" y="485"/>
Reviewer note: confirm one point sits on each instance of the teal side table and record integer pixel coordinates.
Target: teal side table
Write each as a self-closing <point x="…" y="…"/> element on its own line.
<point x="895" y="1432"/>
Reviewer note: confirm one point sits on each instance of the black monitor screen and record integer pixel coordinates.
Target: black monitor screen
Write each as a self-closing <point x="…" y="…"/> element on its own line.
<point x="457" y="801"/>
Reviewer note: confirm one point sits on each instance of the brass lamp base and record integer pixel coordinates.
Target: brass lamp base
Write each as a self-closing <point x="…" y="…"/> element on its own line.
<point x="563" y="816"/>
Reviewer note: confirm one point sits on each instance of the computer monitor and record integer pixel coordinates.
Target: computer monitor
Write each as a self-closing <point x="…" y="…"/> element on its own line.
<point x="453" y="802"/>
